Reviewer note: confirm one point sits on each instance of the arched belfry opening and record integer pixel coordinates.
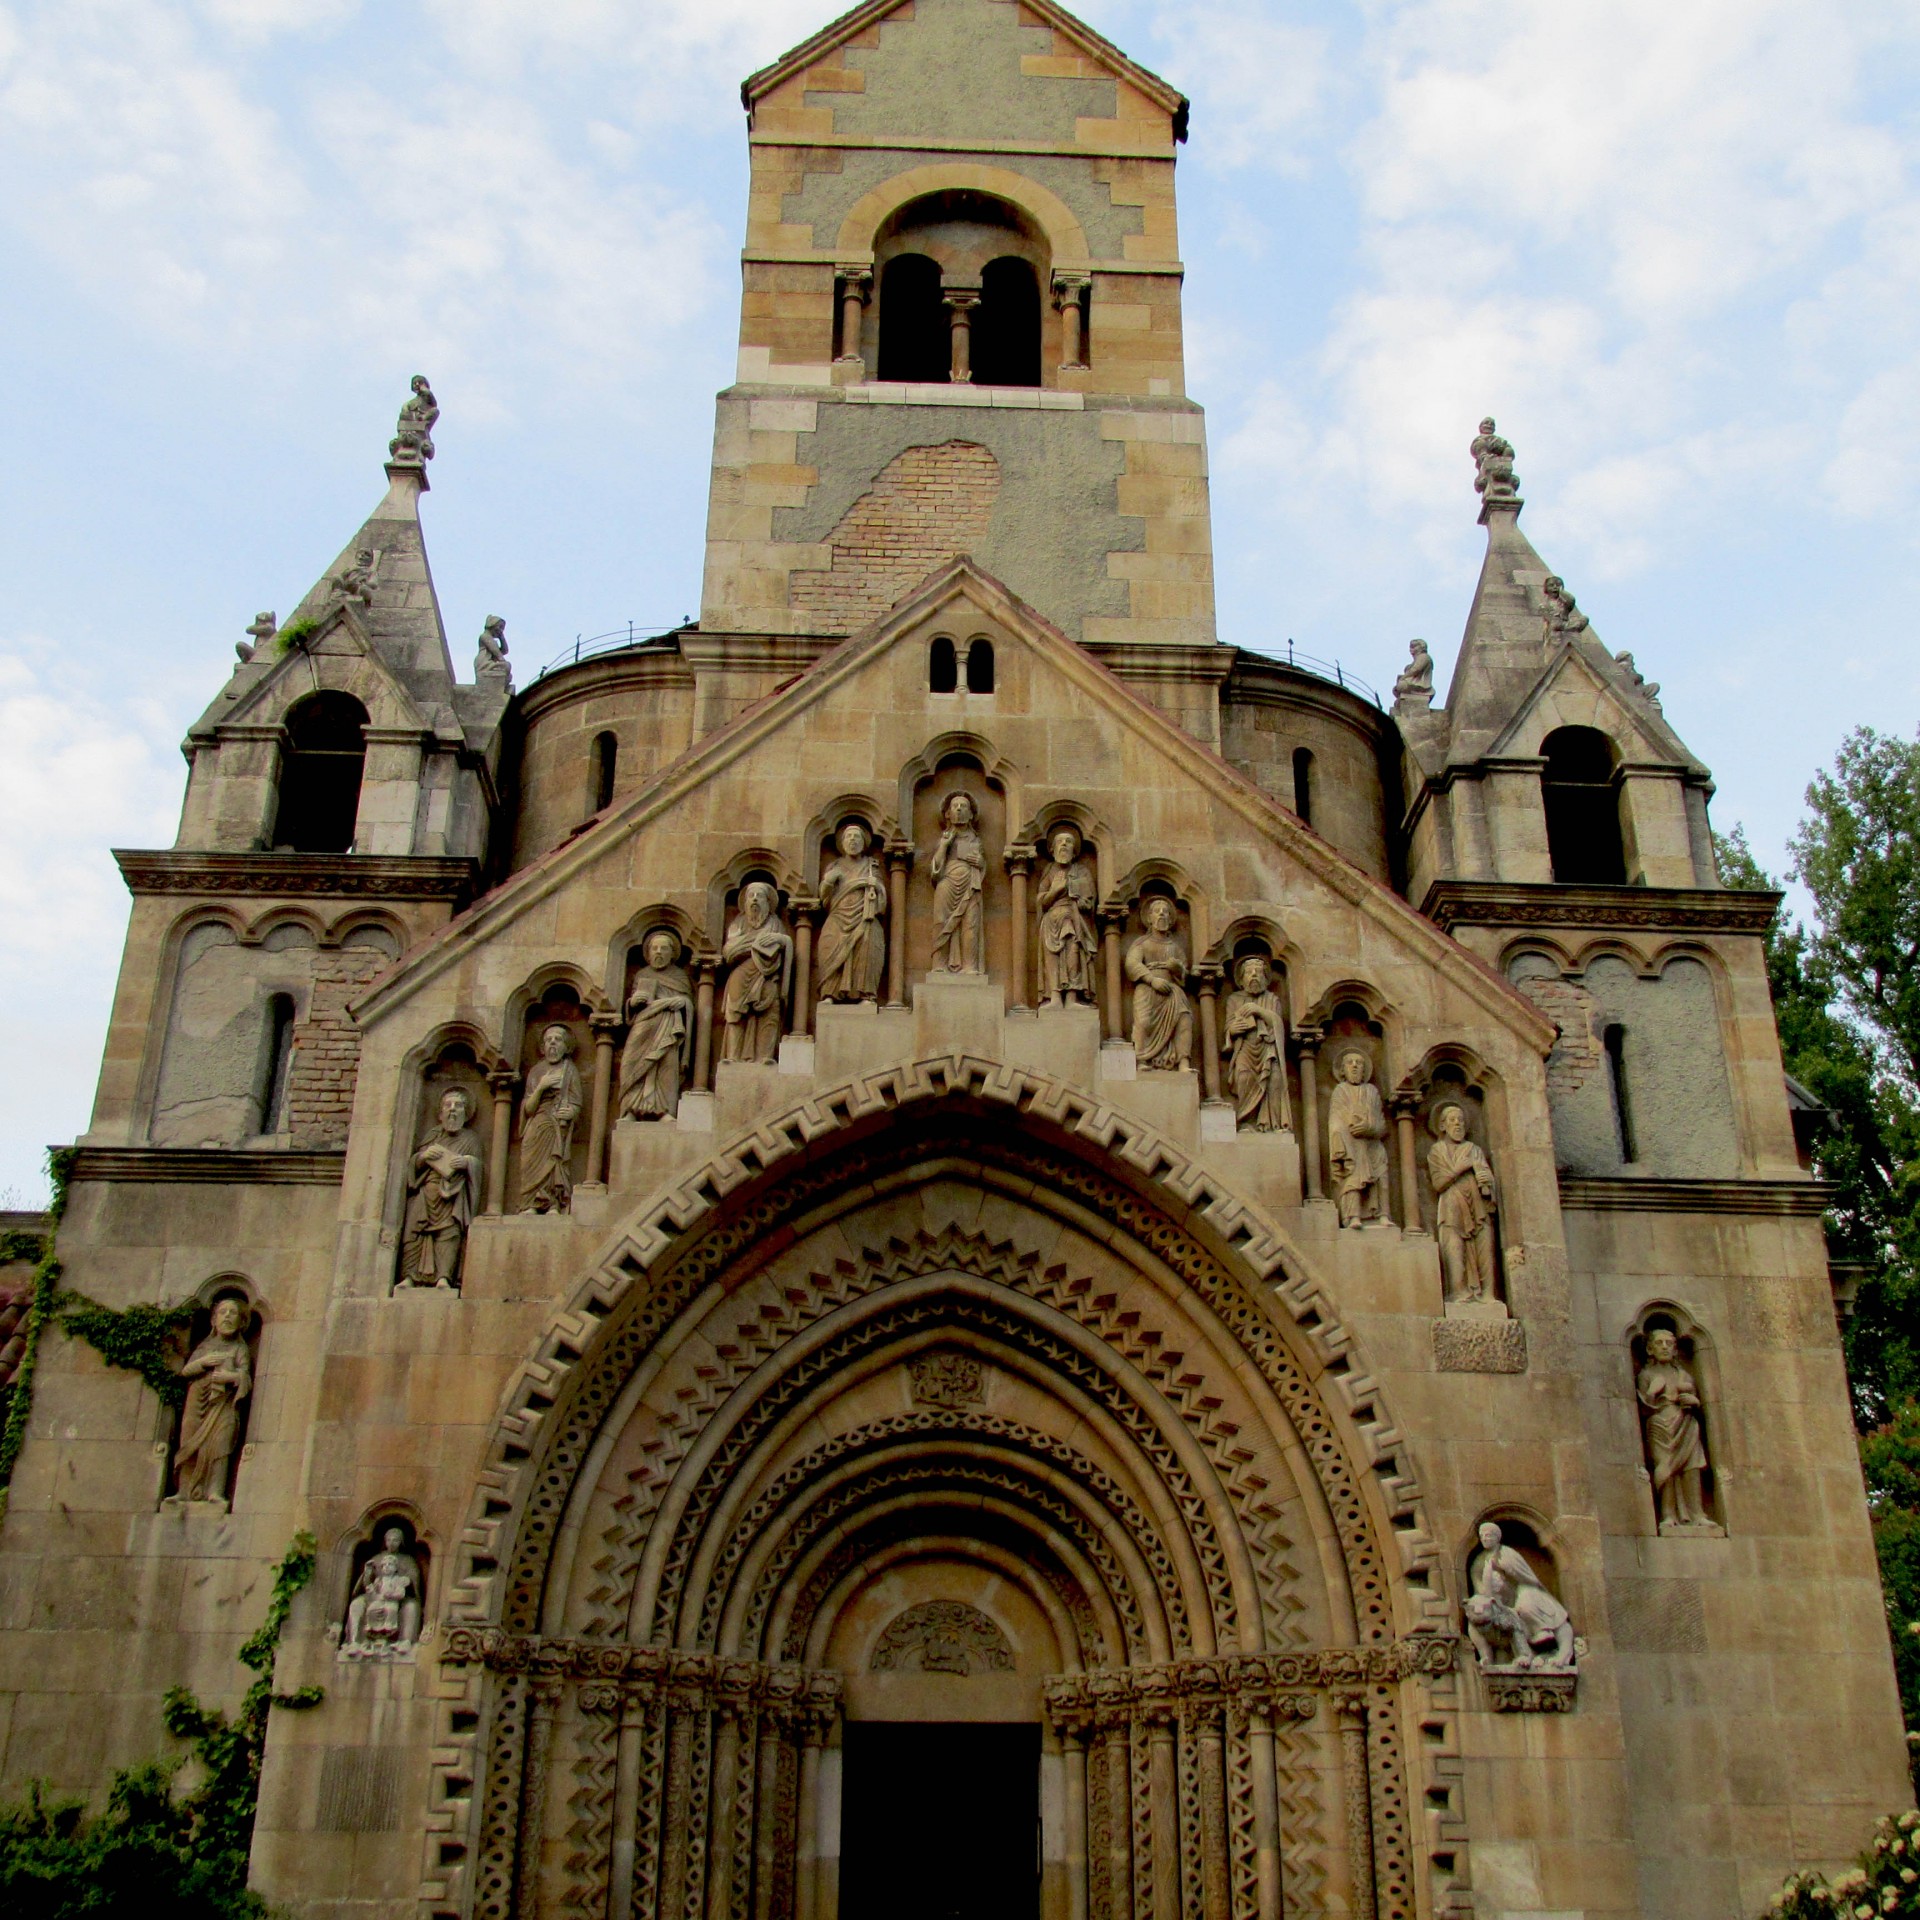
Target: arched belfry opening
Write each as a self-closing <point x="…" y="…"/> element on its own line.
<point x="321" y="763"/>
<point x="990" y="1458"/>
<point x="960" y="278"/>
<point x="1581" y="795"/>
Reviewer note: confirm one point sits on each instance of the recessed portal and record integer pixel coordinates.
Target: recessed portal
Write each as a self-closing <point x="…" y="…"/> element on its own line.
<point x="940" y="1822"/>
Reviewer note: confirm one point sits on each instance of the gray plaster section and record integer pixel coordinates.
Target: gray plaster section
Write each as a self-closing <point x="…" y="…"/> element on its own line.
<point x="1677" y="1091"/>
<point x="823" y="202"/>
<point x="1056" y="517"/>
<point x="952" y="71"/>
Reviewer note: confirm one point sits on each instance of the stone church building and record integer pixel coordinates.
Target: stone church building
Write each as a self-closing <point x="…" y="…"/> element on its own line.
<point x="941" y="1245"/>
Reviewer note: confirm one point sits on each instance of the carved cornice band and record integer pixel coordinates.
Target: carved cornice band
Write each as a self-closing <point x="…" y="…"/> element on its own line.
<point x="338" y="876"/>
<point x="1503" y="903"/>
<point x="1795" y="1199"/>
<point x="1284" y="1684"/>
<point x="215" y="1166"/>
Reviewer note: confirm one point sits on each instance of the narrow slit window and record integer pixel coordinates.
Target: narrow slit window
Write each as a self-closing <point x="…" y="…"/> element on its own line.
<point x="276" y="1063"/>
<point x="604" y="760"/>
<point x="980" y="666"/>
<point x="1615" y="1041"/>
<point x="943" y="672"/>
<point x="1303" y="784"/>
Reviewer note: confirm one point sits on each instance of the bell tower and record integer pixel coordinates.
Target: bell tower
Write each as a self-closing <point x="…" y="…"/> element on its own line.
<point x="960" y="333"/>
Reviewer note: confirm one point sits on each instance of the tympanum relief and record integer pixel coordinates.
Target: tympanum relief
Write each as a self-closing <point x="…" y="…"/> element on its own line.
<point x="959" y="872"/>
<point x="443" y="1194"/>
<point x="1464" y="1199"/>
<point x="1156" y="963"/>
<point x="758" y="956"/>
<point x="1357" y="1140"/>
<point x="658" y="1056"/>
<point x="219" y="1376"/>
<point x="1068" y="941"/>
<point x="548" y="1112"/>
<point x="1255" y="1044"/>
<point x="943" y="1636"/>
<point x="852" y="953"/>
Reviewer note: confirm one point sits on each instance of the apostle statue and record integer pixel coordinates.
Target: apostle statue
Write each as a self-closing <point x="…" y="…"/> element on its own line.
<point x="1514" y="1622"/>
<point x="959" y="873"/>
<point x="1157" y="966"/>
<point x="219" y="1375"/>
<point x="1357" y="1139"/>
<point x="758" y="953"/>
<point x="383" y="1617"/>
<point x="443" y="1187"/>
<point x="551" y="1105"/>
<point x="1068" y="942"/>
<point x="1414" y="687"/>
<point x="852" y="954"/>
<point x="1464" y="1198"/>
<point x="1676" y="1447"/>
<point x="659" y="1052"/>
<point x="1255" y="1043"/>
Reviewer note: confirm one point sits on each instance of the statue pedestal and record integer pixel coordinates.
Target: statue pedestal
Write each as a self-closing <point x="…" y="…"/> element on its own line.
<point x="1476" y="1310"/>
<point x="797" y="1054"/>
<point x="1218" y="1120"/>
<point x="1061" y="1042"/>
<point x="1118" y="1061"/>
<point x="958" y="1013"/>
<point x="858" y="1036"/>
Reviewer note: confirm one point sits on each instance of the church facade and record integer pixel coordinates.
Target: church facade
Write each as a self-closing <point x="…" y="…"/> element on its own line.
<point x="941" y="1244"/>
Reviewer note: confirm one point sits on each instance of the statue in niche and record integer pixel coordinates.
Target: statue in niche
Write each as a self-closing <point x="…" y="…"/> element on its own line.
<point x="443" y="1186"/>
<point x="852" y="954"/>
<point x="959" y="872"/>
<point x="659" y="1052"/>
<point x="383" y="1617"/>
<point x="1464" y="1199"/>
<point x="412" y="442"/>
<point x="1515" y="1624"/>
<point x="548" y="1111"/>
<point x="490" y="661"/>
<point x="758" y="951"/>
<point x="1357" y="1139"/>
<point x="219" y="1375"/>
<point x="1157" y="966"/>
<point x="1414" y="687"/>
<point x="1676" y="1445"/>
<point x="1068" y="942"/>
<point x="1255" y="1043"/>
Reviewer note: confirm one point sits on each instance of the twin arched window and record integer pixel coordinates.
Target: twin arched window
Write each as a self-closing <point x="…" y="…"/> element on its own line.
<point x="943" y="665"/>
<point x="321" y="763"/>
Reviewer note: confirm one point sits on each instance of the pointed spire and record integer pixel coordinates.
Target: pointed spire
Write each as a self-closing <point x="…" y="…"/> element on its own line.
<point x="1494" y="479"/>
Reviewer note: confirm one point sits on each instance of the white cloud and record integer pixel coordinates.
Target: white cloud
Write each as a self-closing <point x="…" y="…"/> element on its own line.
<point x="1260" y="85"/>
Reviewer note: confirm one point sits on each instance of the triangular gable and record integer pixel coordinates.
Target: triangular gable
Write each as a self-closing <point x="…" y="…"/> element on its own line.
<point x="338" y="635"/>
<point x="1638" y="729"/>
<point x="866" y="18"/>
<point x="1101" y="689"/>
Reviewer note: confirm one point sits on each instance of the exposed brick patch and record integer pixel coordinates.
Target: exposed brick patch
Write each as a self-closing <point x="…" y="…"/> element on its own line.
<point x="326" y="1048"/>
<point x="1576" y="1053"/>
<point x="925" y="505"/>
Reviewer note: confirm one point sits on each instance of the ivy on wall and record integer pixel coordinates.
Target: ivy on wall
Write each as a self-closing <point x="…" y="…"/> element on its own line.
<point x="142" y="1339"/>
<point x="153" y="1853"/>
<point x="16" y="1397"/>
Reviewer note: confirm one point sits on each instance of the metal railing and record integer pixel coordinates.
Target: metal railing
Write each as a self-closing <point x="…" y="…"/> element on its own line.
<point x="1319" y="668"/>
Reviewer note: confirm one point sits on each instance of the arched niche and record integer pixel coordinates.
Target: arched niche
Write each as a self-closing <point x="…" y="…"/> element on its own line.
<point x="1661" y="1417"/>
<point x="384" y="1609"/>
<point x="957" y="764"/>
<point x="1580" y="792"/>
<point x="1454" y="1075"/>
<point x="820" y="841"/>
<point x="548" y="1156"/>
<point x="455" y="1058"/>
<point x="206" y="1433"/>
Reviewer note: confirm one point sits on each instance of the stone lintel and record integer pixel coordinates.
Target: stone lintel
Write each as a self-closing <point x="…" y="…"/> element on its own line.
<point x="347" y="876"/>
<point x="1511" y="903"/>
<point x="1795" y="1199"/>
<point x="216" y="1166"/>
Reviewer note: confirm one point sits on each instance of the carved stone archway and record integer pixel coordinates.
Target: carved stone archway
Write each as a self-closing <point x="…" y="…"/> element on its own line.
<point x="691" y="1506"/>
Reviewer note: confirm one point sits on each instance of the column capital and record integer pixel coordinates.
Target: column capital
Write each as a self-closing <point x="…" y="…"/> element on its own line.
<point x="1068" y="285"/>
<point x="961" y="299"/>
<point x="899" y="851"/>
<point x="1307" y="1036"/>
<point x="1020" y="856"/>
<point x="855" y="277"/>
<point x="502" y="1080"/>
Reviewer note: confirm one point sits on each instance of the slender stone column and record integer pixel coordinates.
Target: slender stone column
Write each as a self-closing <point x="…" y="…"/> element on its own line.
<point x="1266" y="1815"/>
<point x="1112" y="921"/>
<point x="1403" y="1122"/>
<point x="1309" y="1042"/>
<point x="1073" y="1747"/>
<point x="703" y="1027"/>
<point x="899" y="860"/>
<point x="1119" y="1822"/>
<point x="802" y="907"/>
<point x="502" y="1080"/>
<point x="533" y="1797"/>
<point x="1209" y="981"/>
<point x="807" y="1864"/>
<point x="766" y="1859"/>
<point x="1019" y="860"/>
<point x="606" y="1030"/>
<point x="961" y="302"/>
<point x="1069" y="291"/>
<point x="1165" y="1775"/>
<point x="855" y="284"/>
<point x="1350" y="1710"/>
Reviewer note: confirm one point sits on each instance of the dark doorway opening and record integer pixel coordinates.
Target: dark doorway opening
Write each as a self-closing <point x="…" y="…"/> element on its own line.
<point x="940" y="1822"/>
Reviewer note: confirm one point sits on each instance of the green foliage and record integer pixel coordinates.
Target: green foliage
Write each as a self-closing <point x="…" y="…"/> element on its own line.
<point x="143" y="1339"/>
<point x="295" y="633"/>
<point x="155" y="1853"/>
<point x="16" y="1399"/>
<point x="1886" y="1882"/>
<point x="18" y="1245"/>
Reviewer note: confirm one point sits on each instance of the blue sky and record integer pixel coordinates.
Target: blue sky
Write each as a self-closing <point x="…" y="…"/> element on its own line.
<point x="1674" y="249"/>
